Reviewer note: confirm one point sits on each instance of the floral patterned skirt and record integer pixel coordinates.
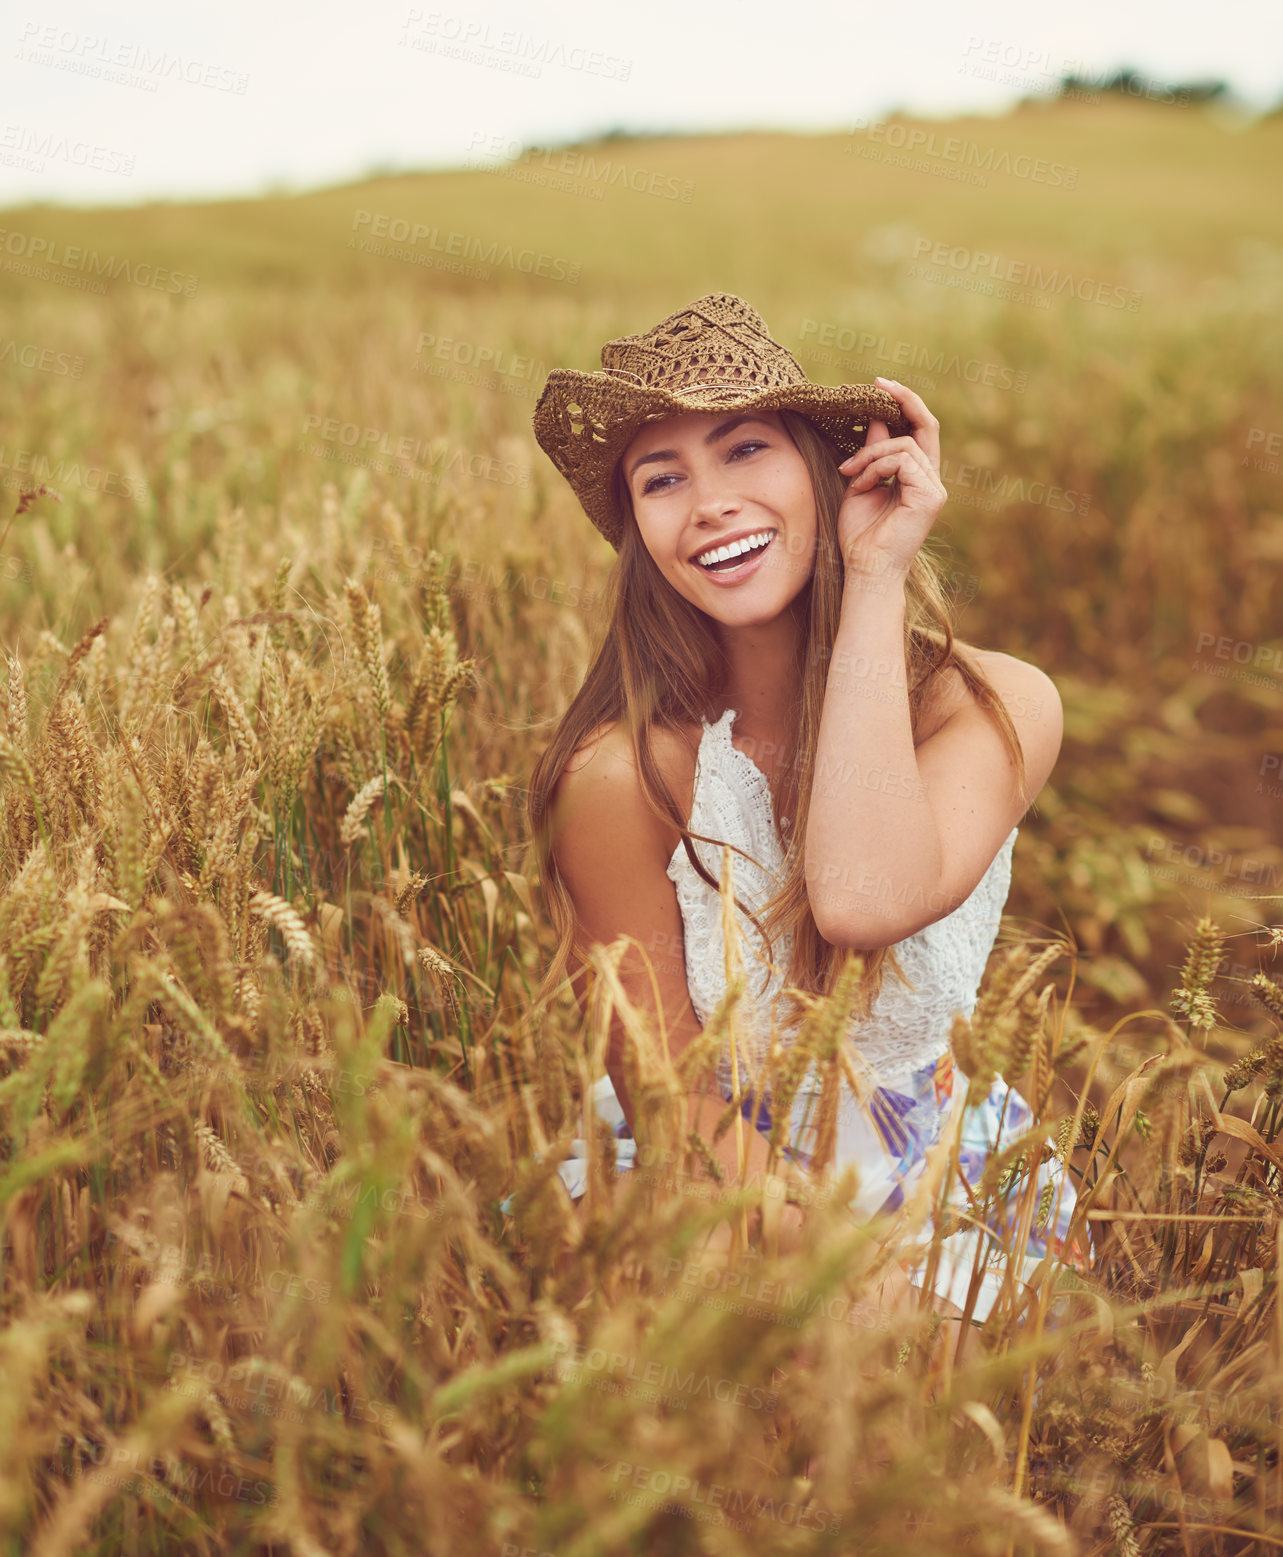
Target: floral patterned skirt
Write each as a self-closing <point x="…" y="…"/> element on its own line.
<point x="887" y="1143"/>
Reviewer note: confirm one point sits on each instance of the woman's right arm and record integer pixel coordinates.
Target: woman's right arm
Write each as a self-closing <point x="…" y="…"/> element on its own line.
<point x="613" y="854"/>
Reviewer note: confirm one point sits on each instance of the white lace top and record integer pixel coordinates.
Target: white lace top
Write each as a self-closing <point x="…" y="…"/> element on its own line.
<point x="908" y="1028"/>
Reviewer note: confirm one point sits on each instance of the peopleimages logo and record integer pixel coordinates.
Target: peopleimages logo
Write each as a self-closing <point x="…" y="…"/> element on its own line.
<point x="21" y="146"/>
<point x="430" y="458"/>
<point x="89" y="54"/>
<point x="692" y="1497"/>
<point x="969" y="156"/>
<point x="1270" y="444"/>
<point x="465" y="247"/>
<point x="459" y="36"/>
<point x="571" y="170"/>
<point x="44" y="359"/>
<point x="40" y="253"/>
<point x="992" y="488"/>
<point x="954" y="261"/>
<point x="869" y="346"/>
<point x="28" y="466"/>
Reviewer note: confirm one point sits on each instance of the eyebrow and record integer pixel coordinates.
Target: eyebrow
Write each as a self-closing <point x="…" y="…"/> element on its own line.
<point x="718" y="432"/>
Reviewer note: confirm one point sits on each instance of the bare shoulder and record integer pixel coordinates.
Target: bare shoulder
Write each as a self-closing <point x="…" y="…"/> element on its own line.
<point x="1028" y="694"/>
<point x="608" y="748"/>
<point x="606" y="759"/>
<point x="599" y="811"/>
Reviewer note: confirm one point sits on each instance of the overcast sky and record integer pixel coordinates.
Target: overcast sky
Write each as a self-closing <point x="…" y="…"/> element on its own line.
<point x="120" y="104"/>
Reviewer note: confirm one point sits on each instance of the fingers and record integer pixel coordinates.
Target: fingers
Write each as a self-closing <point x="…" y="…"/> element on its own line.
<point x="885" y="446"/>
<point x="875" y="435"/>
<point x="856" y="464"/>
<point x="926" y="429"/>
<point x="906" y="464"/>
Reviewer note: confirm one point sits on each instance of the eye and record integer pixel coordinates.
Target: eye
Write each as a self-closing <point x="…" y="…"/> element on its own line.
<point x="736" y="451"/>
<point x="654" y="484"/>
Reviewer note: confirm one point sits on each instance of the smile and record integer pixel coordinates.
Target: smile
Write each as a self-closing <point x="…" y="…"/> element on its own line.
<point x="735" y="560"/>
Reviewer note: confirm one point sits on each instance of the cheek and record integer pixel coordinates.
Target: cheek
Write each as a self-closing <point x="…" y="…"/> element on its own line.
<point x="658" y="536"/>
<point x="794" y="494"/>
<point x="797" y="503"/>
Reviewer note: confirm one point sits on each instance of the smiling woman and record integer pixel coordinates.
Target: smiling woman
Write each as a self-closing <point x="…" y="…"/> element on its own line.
<point x="661" y="482"/>
<point x="781" y="676"/>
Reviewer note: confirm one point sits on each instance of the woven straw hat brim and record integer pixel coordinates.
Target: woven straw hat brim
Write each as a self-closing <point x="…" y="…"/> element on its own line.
<point x="585" y="421"/>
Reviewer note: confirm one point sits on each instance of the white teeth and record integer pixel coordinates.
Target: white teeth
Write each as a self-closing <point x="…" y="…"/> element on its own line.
<point x="735" y="548"/>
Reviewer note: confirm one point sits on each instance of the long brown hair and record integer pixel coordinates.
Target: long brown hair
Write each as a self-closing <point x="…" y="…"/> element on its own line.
<point x="661" y="663"/>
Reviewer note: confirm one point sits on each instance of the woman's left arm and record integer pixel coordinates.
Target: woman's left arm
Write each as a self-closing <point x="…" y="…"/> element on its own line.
<point x="896" y="837"/>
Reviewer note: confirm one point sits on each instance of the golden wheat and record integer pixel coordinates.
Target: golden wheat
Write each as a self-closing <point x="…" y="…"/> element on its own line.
<point x="287" y="1262"/>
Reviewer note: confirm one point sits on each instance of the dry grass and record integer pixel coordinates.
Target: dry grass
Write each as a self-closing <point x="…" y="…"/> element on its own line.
<point x="271" y="1062"/>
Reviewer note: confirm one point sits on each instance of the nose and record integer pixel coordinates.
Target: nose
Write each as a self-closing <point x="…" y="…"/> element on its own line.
<point x="713" y="494"/>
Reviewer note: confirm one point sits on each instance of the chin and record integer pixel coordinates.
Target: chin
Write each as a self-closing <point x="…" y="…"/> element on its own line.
<point x="731" y="613"/>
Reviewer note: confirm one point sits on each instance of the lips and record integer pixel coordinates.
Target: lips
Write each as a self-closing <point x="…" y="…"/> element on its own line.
<point x="742" y="569"/>
<point x="758" y="539"/>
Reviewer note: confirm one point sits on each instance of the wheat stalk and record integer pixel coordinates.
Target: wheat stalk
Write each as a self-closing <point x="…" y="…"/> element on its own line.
<point x="352" y="826"/>
<point x="237" y="720"/>
<point x="285" y="920"/>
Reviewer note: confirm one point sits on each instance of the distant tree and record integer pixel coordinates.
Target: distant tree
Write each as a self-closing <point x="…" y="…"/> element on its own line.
<point x="1126" y="82"/>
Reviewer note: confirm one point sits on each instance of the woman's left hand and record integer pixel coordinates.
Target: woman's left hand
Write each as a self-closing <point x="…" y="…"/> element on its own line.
<point x="882" y="528"/>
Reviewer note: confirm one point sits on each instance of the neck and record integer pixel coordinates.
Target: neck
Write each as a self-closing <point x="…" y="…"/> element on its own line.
<point x="763" y="685"/>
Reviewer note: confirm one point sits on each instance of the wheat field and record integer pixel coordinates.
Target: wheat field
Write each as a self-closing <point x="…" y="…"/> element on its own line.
<point x="290" y="601"/>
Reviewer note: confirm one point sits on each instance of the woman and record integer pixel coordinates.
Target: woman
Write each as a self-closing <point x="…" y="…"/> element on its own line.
<point x="780" y="676"/>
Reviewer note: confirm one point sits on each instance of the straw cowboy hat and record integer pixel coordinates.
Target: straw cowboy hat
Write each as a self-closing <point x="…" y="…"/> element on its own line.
<point x="709" y="356"/>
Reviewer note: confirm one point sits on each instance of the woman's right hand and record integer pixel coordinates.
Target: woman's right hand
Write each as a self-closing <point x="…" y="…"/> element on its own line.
<point x="881" y="529"/>
<point x="782" y="1232"/>
<point x="775" y="1227"/>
